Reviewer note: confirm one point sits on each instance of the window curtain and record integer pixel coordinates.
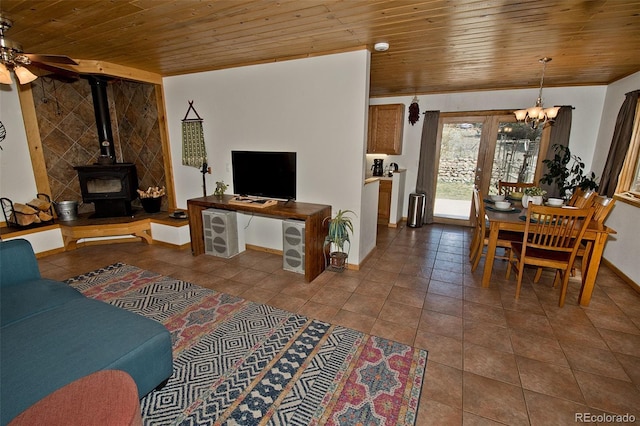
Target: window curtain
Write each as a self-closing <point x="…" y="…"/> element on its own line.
<point x="426" y="181"/>
<point x="619" y="144"/>
<point x="560" y="132"/>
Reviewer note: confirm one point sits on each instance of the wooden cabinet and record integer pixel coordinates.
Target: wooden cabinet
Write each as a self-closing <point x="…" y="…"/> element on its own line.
<point x="386" y="123"/>
<point x="384" y="202"/>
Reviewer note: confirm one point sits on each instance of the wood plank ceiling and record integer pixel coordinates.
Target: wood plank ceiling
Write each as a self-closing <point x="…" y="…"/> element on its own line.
<point x="436" y="46"/>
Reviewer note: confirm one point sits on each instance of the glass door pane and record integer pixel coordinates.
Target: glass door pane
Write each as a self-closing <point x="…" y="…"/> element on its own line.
<point x="516" y="153"/>
<point x="459" y="147"/>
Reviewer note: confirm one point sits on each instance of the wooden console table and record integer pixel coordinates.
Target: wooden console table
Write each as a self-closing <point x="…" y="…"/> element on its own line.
<point x="312" y="214"/>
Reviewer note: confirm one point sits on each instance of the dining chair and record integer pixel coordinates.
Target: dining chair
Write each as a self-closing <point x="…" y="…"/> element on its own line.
<point x="602" y="206"/>
<point x="506" y="188"/>
<point x="582" y="198"/>
<point x="480" y="238"/>
<point x="551" y="239"/>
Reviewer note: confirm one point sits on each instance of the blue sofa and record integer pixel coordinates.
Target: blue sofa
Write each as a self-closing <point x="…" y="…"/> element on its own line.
<point x="52" y="335"/>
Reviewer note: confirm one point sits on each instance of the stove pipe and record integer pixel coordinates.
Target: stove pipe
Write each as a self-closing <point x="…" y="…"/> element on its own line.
<point x="103" y="119"/>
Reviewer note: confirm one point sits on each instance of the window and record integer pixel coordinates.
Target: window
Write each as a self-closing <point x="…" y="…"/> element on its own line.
<point x="629" y="179"/>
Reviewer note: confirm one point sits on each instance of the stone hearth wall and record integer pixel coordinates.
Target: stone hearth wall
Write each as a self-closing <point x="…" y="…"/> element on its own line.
<point x="69" y="137"/>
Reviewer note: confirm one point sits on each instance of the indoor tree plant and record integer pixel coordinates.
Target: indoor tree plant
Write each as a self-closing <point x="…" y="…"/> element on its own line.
<point x="566" y="171"/>
<point x="339" y="229"/>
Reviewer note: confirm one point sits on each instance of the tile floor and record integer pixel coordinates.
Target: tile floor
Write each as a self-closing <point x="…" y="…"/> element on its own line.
<point x="492" y="359"/>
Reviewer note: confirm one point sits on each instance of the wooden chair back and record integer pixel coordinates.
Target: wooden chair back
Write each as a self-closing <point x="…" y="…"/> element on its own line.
<point x="478" y="204"/>
<point x="480" y="224"/>
<point x="581" y="198"/>
<point x="555" y="228"/>
<point x="481" y="236"/>
<point x="506" y="188"/>
<point x="552" y="236"/>
<point x="602" y="207"/>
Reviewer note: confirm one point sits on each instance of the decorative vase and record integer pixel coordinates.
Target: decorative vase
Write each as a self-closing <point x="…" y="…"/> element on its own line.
<point x="534" y="199"/>
<point x="151" y="205"/>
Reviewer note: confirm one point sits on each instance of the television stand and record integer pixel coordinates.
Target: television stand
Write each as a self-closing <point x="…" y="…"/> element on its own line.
<point x="316" y="227"/>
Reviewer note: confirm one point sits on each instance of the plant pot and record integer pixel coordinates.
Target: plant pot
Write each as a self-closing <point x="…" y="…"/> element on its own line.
<point x="534" y="199"/>
<point x="151" y="205"/>
<point x="338" y="260"/>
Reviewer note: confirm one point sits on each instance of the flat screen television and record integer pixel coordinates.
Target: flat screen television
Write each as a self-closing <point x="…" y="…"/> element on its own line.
<point x="266" y="174"/>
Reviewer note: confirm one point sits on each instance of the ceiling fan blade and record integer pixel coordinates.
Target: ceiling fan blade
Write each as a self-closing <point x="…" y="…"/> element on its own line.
<point x="54" y="59"/>
<point x="42" y="70"/>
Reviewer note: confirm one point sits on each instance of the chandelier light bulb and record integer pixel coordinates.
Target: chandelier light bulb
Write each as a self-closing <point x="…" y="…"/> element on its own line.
<point x="5" y="76"/>
<point x="24" y="75"/>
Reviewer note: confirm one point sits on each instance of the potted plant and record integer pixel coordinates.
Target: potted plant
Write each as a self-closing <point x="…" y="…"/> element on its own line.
<point x="566" y="171"/>
<point x="220" y="188"/>
<point x="534" y="195"/>
<point x="339" y="229"/>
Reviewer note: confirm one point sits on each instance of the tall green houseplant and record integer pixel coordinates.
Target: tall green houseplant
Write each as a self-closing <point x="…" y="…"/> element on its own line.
<point x="339" y="229"/>
<point x="566" y="172"/>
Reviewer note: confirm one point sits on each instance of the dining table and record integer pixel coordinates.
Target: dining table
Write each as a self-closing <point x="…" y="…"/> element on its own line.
<point x="514" y="219"/>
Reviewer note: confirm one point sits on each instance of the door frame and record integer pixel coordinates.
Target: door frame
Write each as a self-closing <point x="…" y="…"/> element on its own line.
<point x="486" y="150"/>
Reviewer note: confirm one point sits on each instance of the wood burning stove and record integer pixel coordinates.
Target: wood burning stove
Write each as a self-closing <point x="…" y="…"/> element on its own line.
<point x="111" y="187"/>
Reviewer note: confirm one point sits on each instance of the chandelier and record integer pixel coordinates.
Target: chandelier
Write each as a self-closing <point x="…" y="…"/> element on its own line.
<point x="11" y="58"/>
<point x="537" y="114"/>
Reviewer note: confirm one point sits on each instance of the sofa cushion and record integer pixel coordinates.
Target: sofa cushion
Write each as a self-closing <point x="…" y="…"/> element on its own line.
<point x="28" y="298"/>
<point x="44" y="352"/>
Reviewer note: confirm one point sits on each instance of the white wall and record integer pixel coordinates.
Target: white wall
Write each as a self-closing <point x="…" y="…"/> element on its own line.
<point x="316" y="107"/>
<point x="588" y="102"/>
<point x="369" y="218"/>
<point x="17" y="181"/>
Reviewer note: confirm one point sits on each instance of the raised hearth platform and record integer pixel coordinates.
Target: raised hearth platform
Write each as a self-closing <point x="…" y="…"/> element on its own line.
<point x="137" y="226"/>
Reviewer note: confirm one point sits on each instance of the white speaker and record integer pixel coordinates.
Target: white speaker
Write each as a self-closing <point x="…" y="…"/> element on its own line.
<point x="293" y="245"/>
<point x="220" y="228"/>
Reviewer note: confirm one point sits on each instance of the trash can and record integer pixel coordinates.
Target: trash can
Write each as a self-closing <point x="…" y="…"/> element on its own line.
<point x="416" y="210"/>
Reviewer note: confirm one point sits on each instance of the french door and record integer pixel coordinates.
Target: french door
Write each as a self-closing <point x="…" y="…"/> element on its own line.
<point x="481" y="150"/>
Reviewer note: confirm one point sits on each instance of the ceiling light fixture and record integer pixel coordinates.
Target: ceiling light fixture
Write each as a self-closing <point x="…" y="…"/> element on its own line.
<point x="538" y="114"/>
<point x="11" y="58"/>
<point x="382" y="46"/>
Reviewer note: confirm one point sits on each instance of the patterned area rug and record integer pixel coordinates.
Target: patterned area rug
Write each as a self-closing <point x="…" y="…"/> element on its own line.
<point x="238" y="362"/>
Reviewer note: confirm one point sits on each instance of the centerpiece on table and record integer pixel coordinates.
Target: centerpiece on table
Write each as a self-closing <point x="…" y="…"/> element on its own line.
<point x="151" y="199"/>
<point x="534" y="195"/>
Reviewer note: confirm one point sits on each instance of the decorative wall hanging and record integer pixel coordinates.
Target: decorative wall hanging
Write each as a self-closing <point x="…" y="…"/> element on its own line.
<point x="414" y="111"/>
<point x="194" y="152"/>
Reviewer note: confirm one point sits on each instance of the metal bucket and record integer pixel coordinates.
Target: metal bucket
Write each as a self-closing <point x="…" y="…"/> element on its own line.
<point x="67" y="210"/>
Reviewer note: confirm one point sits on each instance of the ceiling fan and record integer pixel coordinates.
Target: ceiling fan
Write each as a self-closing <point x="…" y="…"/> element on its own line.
<point x="13" y="58"/>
